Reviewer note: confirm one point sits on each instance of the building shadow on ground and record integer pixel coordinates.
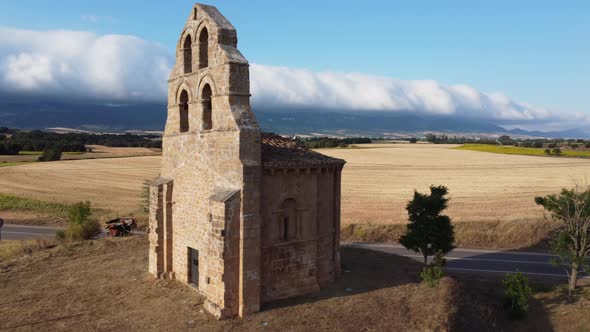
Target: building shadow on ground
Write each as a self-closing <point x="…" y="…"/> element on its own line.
<point x="363" y="270"/>
<point x="481" y="307"/>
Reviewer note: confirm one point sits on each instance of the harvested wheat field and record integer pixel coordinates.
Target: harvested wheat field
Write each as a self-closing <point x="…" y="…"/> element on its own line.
<point x="112" y="184"/>
<point x="378" y="180"/>
<point x="492" y="195"/>
<point x="97" y="151"/>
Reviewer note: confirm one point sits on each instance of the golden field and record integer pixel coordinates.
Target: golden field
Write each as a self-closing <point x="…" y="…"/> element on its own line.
<point x="98" y="151"/>
<point x="111" y="183"/>
<point x="378" y="180"/>
<point x="494" y="190"/>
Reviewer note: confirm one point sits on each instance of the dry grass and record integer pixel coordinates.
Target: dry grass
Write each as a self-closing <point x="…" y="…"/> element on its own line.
<point x="104" y="285"/>
<point x="15" y="249"/>
<point x="515" y="234"/>
<point x="549" y="307"/>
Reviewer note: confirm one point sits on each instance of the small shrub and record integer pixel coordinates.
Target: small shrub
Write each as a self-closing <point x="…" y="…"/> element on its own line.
<point x="547" y="151"/>
<point x="81" y="227"/>
<point x="413" y="140"/>
<point x="517" y="293"/>
<point x="145" y="196"/>
<point x="79" y="212"/>
<point x="60" y="235"/>
<point x="557" y="151"/>
<point x="432" y="274"/>
<point x="80" y="232"/>
<point x="360" y="234"/>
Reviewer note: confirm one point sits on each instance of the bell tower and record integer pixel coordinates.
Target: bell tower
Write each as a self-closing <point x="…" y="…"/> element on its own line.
<point x="204" y="211"/>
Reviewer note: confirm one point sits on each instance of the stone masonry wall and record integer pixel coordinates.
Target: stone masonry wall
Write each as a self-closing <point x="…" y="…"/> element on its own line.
<point x="302" y="264"/>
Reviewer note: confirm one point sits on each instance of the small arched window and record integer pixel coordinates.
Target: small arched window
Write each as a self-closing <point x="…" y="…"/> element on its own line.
<point x="288" y="221"/>
<point x="204" y="49"/>
<point x="183" y="111"/>
<point x="187" y="54"/>
<point x="207" y="106"/>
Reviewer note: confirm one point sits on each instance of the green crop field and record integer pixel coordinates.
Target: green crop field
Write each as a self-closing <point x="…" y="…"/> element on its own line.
<point x="18" y="203"/>
<point x="38" y="153"/>
<point x="15" y="163"/>
<point x="521" y="151"/>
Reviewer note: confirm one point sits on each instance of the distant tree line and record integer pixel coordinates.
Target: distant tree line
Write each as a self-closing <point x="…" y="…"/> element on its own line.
<point x="507" y="140"/>
<point x="13" y="141"/>
<point x="445" y="139"/>
<point x="331" y="142"/>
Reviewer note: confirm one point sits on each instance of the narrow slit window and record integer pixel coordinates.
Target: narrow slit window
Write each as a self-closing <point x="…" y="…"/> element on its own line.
<point x="287" y="222"/>
<point x="285" y="235"/>
<point x="204" y="49"/>
<point x="183" y="111"/>
<point x="207" y="106"/>
<point x="188" y="55"/>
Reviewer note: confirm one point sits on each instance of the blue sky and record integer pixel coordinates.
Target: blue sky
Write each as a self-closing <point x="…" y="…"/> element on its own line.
<point x="535" y="52"/>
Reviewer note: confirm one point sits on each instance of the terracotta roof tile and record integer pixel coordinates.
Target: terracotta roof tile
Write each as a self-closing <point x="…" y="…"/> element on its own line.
<point x="281" y="152"/>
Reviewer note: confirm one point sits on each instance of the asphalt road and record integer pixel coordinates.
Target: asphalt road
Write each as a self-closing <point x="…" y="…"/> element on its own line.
<point x="460" y="260"/>
<point x="485" y="261"/>
<point x="21" y="232"/>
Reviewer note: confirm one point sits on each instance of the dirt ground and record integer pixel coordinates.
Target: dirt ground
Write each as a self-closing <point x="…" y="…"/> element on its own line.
<point x="104" y="285"/>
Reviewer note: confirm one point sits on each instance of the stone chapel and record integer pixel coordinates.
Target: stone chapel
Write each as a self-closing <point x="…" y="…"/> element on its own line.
<point x="243" y="217"/>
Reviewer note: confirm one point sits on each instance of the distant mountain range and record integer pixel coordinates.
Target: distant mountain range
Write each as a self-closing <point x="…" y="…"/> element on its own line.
<point x="151" y="117"/>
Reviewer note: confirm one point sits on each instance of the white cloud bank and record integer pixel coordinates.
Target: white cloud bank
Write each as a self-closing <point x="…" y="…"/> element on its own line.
<point x="126" y="68"/>
<point x="82" y="64"/>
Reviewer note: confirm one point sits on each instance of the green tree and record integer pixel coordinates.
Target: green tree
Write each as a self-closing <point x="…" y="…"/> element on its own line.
<point x="51" y="154"/>
<point x="431" y="138"/>
<point x="505" y="140"/>
<point x="517" y="293"/>
<point x="572" y="242"/>
<point x="428" y="231"/>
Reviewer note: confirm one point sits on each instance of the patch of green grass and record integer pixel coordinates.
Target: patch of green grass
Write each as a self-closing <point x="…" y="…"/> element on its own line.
<point x="12" y="163"/>
<point x="16" y="203"/>
<point x="38" y="153"/>
<point x="521" y="151"/>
